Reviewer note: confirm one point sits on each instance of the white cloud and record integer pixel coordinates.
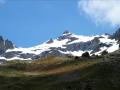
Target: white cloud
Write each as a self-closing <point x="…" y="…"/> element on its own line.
<point x="2" y="1"/>
<point x="102" y="11"/>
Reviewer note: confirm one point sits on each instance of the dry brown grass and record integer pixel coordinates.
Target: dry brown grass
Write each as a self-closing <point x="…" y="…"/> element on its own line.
<point x="69" y="67"/>
<point x="50" y="66"/>
<point x="50" y="60"/>
<point x="58" y="65"/>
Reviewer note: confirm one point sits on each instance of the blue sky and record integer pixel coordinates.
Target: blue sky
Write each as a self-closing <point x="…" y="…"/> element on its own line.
<point x="31" y="22"/>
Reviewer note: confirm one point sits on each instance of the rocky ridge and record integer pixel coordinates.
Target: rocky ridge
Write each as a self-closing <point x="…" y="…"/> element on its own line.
<point x="66" y="44"/>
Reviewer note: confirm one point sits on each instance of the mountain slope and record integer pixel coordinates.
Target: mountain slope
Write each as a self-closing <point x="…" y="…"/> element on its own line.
<point x="65" y="44"/>
<point x="62" y="73"/>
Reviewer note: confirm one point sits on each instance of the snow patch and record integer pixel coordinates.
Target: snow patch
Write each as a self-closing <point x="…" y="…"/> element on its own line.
<point x="17" y="58"/>
<point x="113" y="48"/>
<point x="2" y="58"/>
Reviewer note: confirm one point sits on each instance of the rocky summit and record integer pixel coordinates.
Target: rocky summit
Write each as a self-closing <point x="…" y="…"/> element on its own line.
<point x="5" y="45"/>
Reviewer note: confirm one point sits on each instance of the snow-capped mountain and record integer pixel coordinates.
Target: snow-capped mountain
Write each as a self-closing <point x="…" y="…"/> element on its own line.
<point x="65" y="44"/>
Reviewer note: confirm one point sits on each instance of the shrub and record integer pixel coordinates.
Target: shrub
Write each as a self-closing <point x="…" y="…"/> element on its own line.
<point x="86" y="54"/>
<point x="104" y="53"/>
<point x="76" y="58"/>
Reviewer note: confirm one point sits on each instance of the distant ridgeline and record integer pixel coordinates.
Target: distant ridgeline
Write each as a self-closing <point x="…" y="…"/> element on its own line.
<point x="66" y="44"/>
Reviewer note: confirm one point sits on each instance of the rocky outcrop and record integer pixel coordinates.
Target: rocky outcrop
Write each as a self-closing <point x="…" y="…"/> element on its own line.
<point x="51" y="53"/>
<point x="4" y="45"/>
<point x="50" y="41"/>
<point x="116" y="35"/>
<point x="67" y="35"/>
<point x="93" y="45"/>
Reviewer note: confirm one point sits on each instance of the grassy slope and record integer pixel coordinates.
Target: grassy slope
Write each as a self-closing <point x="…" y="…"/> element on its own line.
<point x="60" y="73"/>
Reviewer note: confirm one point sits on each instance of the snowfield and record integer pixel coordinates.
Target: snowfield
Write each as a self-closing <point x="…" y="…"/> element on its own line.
<point x="66" y="39"/>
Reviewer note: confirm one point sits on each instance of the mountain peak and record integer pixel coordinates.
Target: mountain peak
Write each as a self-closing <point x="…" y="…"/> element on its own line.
<point x="66" y="35"/>
<point x="66" y="32"/>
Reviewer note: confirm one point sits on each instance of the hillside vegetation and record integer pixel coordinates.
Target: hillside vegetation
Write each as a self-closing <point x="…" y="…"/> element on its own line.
<point x="62" y="73"/>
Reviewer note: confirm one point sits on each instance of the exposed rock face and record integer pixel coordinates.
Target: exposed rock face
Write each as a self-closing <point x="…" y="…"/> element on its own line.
<point x="9" y="55"/>
<point x="51" y="53"/>
<point x="8" y="44"/>
<point x="93" y="45"/>
<point x="50" y="41"/>
<point x="5" y="44"/>
<point x="116" y="35"/>
<point x="67" y="35"/>
<point x="66" y="32"/>
<point x="64" y="36"/>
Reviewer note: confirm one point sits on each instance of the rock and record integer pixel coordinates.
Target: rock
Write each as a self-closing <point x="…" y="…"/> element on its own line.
<point x="5" y="45"/>
<point x="66" y="32"/>
<point x="8" y="44"/>
<point x="50" y="41"/>
<point x="116" y="35"/>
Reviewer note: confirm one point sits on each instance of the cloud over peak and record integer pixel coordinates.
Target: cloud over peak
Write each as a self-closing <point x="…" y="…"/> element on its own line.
<point x="102" y="11"/>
